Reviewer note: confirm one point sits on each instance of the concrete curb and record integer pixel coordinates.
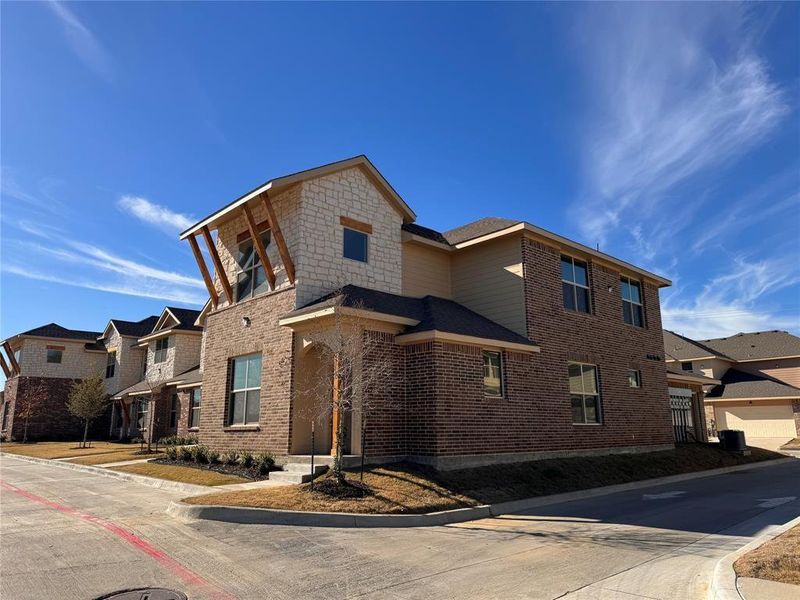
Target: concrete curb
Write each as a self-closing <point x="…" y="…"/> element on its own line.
<point x="267" y="516"/>
<point x="723" y="581"/>
<point x="163" y="484"/>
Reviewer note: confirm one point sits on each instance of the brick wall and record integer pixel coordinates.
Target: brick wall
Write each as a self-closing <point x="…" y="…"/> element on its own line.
<point x="227" y="337"/>
<point x="631" y="417"/>
<point x="385" y="431"/>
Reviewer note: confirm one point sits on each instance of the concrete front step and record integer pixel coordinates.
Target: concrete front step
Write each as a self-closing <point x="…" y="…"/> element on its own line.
<point x="305" y="468"/>
<point x="348" y="460"/>
<point x="297" y="472"/>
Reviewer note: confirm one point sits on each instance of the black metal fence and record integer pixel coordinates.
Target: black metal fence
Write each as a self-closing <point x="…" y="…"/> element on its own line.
<point x="681" y="418"/>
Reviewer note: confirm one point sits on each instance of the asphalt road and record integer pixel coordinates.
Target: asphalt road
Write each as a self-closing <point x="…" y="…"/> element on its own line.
<point x="67" y="534"/>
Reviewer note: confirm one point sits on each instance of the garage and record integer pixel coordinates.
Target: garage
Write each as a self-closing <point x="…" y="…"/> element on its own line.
<point x="758" y="420"/>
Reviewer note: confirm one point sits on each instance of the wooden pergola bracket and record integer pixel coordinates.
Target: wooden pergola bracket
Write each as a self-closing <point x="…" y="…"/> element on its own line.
<point x="201" y="263"/>
<point x="277" y="235"/>
<point x="3" y="364"/>
<point x="262" y="251"/>
<point x="12" y="359"/>
<point x="223" y="277"/>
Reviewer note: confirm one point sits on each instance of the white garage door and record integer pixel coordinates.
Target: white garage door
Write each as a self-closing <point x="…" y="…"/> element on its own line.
<point x="758" y="421"/>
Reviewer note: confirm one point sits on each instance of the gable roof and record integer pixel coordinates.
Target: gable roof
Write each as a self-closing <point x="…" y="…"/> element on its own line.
<point x="679" y="347"/>
<point x="478" y="228"/>
<point x="424" y="314"/>
<point x="54" y="330"/>
<point x="425" y="232"/>
<point x="738" y="385"/>
<point x="135" y="328"/>
<point x="759" y="345"/>
<point x="280" y="183"/>
<point x="185" y="317"/>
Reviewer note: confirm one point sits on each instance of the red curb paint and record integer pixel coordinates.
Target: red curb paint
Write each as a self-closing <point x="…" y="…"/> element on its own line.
<point x="188" y="576"/>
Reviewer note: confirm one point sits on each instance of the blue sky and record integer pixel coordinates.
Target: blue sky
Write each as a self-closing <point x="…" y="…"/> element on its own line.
<point x="667" y="134"/>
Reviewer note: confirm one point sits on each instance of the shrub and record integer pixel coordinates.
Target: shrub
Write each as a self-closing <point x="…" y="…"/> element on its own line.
<point x="171" y="452"/>
<point x="201" y="454"/>
<point x="230" y="457"/>
<point x="186" y="453"/>
<point x="264" y="462"/>
<point x="213" y="456"/>
<point x="246" y="458"/>
<point x="191" y="439"/>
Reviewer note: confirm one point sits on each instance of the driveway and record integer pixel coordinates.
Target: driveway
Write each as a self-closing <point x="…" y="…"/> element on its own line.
<point x="76" y="535"/>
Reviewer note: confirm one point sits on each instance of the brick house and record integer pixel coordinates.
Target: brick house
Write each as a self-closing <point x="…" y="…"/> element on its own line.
<point x="155" y="403"/>
<point x="756" y="380"/>
<point x="506" y="342"/>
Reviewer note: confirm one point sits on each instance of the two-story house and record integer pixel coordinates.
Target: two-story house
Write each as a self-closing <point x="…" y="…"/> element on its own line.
<point x="507" y="342"/>
<point x="757" y="382"/>
<point x="150" y="406"/>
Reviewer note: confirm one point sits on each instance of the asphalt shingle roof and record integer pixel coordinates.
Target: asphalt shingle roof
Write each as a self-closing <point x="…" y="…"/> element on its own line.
<point x="676" y="370"/>
<point x="425" y="232"/>
<point x="758" y="345"/>
<point x="135" y="328"/>
<point x="189" y="376"/>
<point x="186" y="318"/>
<point x="54" y="330"/>
<point x="738" y="385"/>
<point x="433" y="313"/>
<point x="682" y="348"/>
<point x="478" y="228"/>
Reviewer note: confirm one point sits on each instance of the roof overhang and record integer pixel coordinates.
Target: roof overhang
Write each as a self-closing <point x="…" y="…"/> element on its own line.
<point x="444" y="336"/>
<point x="747" y="360"/>
<point x="688" y="378"/>
<point x="186" y="386"/>
<point x="565" y="244"/>
<point x="346" y="311"/>
<point x="710" y="357"/>
<point x="165" y="333"/>
<point x="276" y="186"/>
<point x="772" y="398"/>
<point x="408" y="237"/>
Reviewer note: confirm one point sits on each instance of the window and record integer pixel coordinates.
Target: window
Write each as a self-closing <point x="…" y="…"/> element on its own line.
<point x="356" y="245"/>
<point x="162" y="346"/>
<point x="687" y="366"/>
<point x="142" y="405"/>
<point x="634" y="379"/>
<point x="583" y="392"/>
<point x="173" y="412"/>
<point x="632" y="311"/>
<point x="5" y="414"/>
<point x="194" y="411"/>
<point x="245" y="390"/>
<point x="54" y="354"/>
<point x="18" y="355"/>
<point x="111" y="363"/>
<point x="251" y="280"/>
<point x="492" y="374"/>
<point x="575" y="282"/>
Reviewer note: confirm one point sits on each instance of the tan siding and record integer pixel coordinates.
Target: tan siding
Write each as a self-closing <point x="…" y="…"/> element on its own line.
<point x="786" y="370"/>
<point x="426" y="271"/>
<point x="488" y="280"/>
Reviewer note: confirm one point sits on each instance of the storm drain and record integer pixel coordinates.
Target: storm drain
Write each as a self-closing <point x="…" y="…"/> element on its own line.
<point x="145" y="594"/>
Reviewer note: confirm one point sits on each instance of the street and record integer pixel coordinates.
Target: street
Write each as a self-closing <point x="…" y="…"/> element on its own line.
<point x="69" y="534"/>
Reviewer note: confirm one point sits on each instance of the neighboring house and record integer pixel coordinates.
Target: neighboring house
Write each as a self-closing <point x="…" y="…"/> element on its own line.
<point x="508" y="342"/>
<point x="44" y="363"/>
<point x="758" y="388"/>
<point x="156" y="402"/>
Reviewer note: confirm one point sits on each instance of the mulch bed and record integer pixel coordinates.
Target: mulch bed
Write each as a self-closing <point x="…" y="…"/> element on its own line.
<point x="246" y="472"/>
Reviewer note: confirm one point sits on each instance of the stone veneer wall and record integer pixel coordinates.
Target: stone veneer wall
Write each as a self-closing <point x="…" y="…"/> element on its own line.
<point x="129" y="362"/>
<point x="182" y="354"/>
<point x="226" y="338"/>
<point x="631" y="417"/>
<point x="76" y="362"/>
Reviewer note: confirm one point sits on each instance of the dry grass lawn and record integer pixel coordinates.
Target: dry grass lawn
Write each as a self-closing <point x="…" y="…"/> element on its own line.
<point x="395" y="489"/>
<point x="99" y="459"/>
<point x="405" y="488"/>
<point x="64" y="449"/>
<point x="182" y="474"/>
<point x="777" y="560"/>
<point x="792" y="444"/>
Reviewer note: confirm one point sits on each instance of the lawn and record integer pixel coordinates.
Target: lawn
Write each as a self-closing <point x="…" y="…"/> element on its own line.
<point x="777" y="560"/>
<point x="65" y="449"/>
<point x="99" y="459"/>
<point x="405" y="488"/>
<point x="182" y="474"/>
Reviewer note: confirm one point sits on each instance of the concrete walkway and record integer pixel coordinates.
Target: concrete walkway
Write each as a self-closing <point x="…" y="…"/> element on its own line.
<point x="77" y="534"/>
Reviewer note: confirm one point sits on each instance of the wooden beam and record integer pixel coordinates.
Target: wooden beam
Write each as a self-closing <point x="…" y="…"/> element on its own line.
<point x="12" y="359"/>
<point x="212" y="250"/>
<point x="262" y="252"/>
<point x="3" y="364"/>
<point x="277" y="235"/>
<point x="354" y="224"/>
<point x="245" y="235"/>
<point x="198" y="256"/>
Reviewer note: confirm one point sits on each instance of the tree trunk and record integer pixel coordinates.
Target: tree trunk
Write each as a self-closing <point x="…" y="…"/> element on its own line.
<point x="85" y="432"/>
<point x="338" y="472"/>
<point x="25" y="432"/>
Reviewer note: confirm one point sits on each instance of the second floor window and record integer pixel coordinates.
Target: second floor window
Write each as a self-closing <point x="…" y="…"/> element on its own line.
<point x="356" y="245"/>
<point x="162" y="346"/>
<point x="194" y="409"/>
<point x="632" y="310"/>
<point x="687" y="366"/>
<point x="575" y="283"/>
<point x="111" y="363"/>
<point x="251" y="280"/>
<point x="54" y="354"/>
<point x="245" y="399"/>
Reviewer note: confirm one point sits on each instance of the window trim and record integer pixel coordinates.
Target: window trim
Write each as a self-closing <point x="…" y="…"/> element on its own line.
<point x="584" y="395"/>
<point x="630" y="281"/>
<point x="638" y="378"/>
<point x="575" y="285"/>
<point x="194" y="406"/>
<point x="232" y="391"/>
<point x="366" y="246"/>
<point x="111" y="363"/>
<point x="484" y="353"/>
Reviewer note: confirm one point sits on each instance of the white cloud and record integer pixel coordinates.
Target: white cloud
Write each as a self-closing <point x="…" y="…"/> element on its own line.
<point x="671" y="106"/>
<point x="155" y="214"/>
<point x="83" y="42"/>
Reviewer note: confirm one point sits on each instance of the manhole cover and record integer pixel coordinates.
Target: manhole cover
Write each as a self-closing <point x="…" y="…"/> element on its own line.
<point x="145" y="594"/>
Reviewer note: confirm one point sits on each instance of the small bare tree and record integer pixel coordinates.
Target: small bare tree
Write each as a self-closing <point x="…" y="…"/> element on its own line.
<point x="87" y="400"/>
<point x="354" y="376"/>
<point x="30" y="403"/>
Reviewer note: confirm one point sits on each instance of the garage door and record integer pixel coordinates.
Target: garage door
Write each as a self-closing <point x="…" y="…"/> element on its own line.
<point x="758" y="421"/>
